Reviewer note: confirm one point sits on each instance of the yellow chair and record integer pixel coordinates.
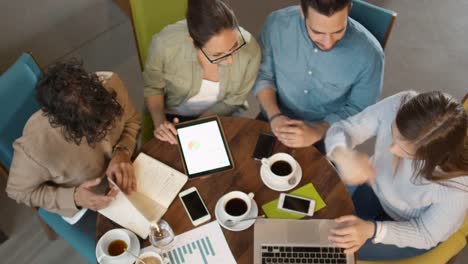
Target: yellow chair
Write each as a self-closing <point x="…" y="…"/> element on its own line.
<point x="148" y="18"/>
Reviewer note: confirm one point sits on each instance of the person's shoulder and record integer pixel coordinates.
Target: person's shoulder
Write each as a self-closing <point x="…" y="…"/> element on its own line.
<point x="363" y="40"/>
<point x="36" y="134"/>
<point x="172" y="37"/>
<point x="112" y="82"/>
<point x="251" y="47"/>
<point x="173" y="31"/>
<point x="392" y="103"/>
<point x="283" y="17"/>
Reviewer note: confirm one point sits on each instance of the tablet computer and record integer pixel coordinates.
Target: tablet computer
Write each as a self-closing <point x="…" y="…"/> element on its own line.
<point x="203" y="147"/>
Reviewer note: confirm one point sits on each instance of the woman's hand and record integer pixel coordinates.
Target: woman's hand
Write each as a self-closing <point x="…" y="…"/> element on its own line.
<point x="351" y="233"/>
<point x="166" y="131"/>
<point x="354" y="166"/>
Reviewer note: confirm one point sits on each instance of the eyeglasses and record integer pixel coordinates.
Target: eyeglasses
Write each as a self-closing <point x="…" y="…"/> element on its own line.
<point x="223" y="58"/>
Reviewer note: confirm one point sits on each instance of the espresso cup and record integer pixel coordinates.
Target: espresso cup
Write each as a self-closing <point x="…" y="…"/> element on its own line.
<point x="112" y="246"/>
<point x="236" y="205"/>
<point x="150" y="257"/>
<point x="280" y="167"/>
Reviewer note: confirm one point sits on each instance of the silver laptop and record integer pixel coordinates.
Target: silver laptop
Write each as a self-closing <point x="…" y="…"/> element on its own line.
<point x="296" y="241"/>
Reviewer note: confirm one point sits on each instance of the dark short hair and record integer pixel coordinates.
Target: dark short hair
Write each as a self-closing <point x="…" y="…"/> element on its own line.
<point x="207" y="18"/>
<point x="324" y="7"/>
<point x="77" y="102"/>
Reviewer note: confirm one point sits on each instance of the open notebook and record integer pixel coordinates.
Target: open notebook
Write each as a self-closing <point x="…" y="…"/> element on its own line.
<point x="157" y="186"/>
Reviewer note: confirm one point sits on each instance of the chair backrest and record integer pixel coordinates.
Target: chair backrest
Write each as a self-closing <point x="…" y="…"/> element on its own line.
<point x="17" y="103"/>
<point x="150" y="16"/>
<point x="379" y="21"/>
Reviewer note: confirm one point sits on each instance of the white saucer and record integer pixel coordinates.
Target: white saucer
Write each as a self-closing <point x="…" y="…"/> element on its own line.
<point x="126" y="258"/>
<point x="241" y="225"/>
<point x="277" y="185"/>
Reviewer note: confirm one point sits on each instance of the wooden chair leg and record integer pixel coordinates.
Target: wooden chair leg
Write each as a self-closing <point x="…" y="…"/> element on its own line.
<point x="51" y="235"/>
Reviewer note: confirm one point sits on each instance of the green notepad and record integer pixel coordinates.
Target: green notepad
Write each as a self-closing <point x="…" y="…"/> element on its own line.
<point x="307" y="191"/>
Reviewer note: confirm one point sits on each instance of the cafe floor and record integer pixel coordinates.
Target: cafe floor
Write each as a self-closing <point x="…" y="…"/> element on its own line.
<point x="426" y="51"/>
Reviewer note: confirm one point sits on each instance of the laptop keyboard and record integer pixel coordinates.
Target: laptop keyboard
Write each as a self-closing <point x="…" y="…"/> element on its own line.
<point x="277" y="254"/>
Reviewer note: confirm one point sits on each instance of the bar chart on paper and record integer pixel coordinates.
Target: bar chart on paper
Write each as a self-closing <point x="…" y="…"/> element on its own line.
<point x="202" y="245"/>
<point x="199" y="251"/>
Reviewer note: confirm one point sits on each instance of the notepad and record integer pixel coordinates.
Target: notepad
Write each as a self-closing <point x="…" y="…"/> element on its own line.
<point x="307" y="191"/>
<point x="157" y="186"/>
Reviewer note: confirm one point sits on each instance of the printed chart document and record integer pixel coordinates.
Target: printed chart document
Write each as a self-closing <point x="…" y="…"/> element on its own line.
<point x="157" y="186"/>
<point x="203" y="245"/>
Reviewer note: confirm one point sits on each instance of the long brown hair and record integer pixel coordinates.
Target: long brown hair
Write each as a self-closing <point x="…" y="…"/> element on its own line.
<point x="437" y="125"/>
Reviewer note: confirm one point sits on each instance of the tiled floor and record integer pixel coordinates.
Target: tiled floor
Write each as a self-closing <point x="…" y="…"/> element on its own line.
<point x="426" y="51"/>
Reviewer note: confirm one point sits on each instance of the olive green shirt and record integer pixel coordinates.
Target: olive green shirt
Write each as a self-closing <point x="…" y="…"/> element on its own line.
<point x="172" y="70"/>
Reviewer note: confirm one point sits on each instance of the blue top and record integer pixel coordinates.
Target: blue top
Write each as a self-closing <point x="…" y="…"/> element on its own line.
<point x="314" y="85"/>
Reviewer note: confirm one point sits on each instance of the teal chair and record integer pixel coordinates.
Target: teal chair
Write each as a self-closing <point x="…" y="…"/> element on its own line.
<point x="379" y="21"/>
<point x="17" y="104"/>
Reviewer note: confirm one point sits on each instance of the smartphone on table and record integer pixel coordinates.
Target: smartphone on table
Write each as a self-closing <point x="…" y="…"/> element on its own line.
<point x="194" y="206"/>
<point x="296" y="204"/>
<point x="264" y="146"/>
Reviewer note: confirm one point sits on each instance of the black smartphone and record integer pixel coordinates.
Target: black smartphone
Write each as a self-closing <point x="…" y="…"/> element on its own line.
<point x="264" y="146"/>
<point x="103" y="187"/>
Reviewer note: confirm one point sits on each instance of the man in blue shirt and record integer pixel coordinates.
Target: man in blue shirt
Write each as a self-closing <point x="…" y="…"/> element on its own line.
<point x="318" y="66"/>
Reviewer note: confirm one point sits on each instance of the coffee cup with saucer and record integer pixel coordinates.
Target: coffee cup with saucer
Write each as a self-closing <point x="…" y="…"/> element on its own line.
<point x="280" y="172"/>
<point x="131" y="244"/>
<point x="236" y="206"/>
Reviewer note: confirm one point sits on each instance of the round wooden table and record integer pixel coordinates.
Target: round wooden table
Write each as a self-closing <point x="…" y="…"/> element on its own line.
<point x="242" y="134"/>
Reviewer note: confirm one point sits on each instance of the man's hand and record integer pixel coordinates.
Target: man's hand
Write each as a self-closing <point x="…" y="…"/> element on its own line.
<point x="278" y="122"/>
<point x="351" y="233"/>
<point x="297" y="134"/>
<point x="120" y="170"/>
<point x="86" y="198"/>
<point x="166" y="131"/>
<point x="354" y="166"/>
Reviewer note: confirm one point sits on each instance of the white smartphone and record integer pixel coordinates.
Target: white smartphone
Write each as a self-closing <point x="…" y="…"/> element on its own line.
<point x="296" y="204"/>
<point x="194" y="206"/>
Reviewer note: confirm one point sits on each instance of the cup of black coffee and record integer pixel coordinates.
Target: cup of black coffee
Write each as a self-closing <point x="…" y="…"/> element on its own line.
<point x="280" y="167"/>
<point x="236" y="205"/>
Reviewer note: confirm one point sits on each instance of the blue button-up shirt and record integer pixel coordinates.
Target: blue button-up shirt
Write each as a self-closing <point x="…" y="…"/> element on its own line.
<point x="314" y="85"/>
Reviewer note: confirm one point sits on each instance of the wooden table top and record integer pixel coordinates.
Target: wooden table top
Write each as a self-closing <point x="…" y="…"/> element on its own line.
<point x="242" y="134"/>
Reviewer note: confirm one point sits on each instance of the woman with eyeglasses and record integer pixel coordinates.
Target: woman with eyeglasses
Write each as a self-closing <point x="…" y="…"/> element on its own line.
<point x="415" y="187"/>
<point x="204" y="65"/>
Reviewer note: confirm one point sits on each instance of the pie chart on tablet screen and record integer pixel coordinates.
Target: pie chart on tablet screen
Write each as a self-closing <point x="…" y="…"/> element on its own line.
<point x="193" y="145"/>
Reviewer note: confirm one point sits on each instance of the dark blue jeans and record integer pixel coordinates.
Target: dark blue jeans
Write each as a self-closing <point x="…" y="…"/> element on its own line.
<point x="368" y="207"/>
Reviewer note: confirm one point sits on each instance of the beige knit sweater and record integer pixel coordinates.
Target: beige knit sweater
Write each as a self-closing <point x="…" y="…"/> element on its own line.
<point x="46" y="168"/>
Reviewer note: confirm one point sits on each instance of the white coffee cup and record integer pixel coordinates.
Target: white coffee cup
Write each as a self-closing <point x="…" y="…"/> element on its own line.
<point x="230" y="198"/>
<point x="149" y="254"/>
<point x="268" y="162"/>
<point x="108" y="238"/>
